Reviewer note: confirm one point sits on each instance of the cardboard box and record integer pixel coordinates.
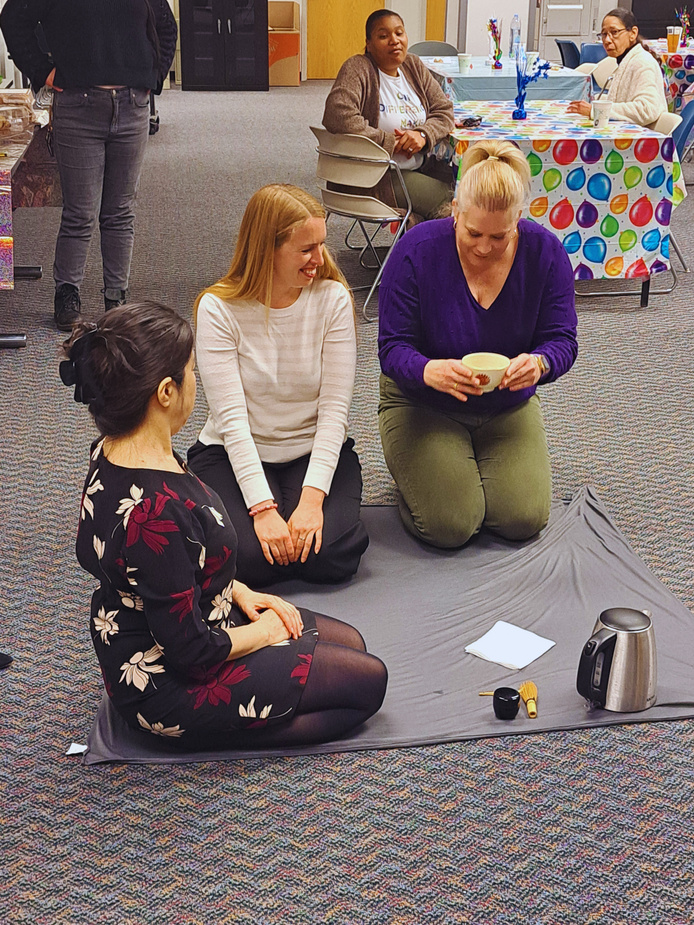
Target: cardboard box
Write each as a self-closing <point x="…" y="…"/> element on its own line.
<point x="284" y="43"/>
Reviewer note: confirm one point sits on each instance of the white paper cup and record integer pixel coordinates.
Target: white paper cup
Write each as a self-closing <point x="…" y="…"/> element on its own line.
<point x="488" y="367"/>
<point x="601" y="113"/>
<point x="464" y="62"/>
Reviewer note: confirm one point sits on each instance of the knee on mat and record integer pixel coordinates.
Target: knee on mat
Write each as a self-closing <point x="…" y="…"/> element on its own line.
<point x="332" y="565"/>
<point x="450" y="530"/>
<point x="523" y="526"/>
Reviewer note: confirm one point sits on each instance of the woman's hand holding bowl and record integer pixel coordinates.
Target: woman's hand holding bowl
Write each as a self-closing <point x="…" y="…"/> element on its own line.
<point x="452" y="377"/>
<point x="523" y="371"/>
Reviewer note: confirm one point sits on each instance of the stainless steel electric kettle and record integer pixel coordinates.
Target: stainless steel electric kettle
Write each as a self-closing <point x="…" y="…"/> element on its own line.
<point x="618" y="669"/>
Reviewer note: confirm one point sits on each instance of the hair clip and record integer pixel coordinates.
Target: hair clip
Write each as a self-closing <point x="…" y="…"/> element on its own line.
<point x="77" y="370"/>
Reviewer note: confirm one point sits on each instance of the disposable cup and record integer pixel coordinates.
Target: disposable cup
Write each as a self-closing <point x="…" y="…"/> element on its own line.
<point x="601" y="113"/>
<point x="674" y="36"/>
<point x="464" y="62"/>
<point x="488" y="367"/>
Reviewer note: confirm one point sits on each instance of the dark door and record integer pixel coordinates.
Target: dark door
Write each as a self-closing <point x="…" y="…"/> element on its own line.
<point x="246" y="45"/>
<point x="203" y="33"/>
<point x="653" y="16"/>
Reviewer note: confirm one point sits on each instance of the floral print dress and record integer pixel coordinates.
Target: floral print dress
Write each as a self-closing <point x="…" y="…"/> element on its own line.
<point x="164" y="551"/>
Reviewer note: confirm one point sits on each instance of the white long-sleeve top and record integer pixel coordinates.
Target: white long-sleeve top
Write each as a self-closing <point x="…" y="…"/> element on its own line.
<point x="637" y="91"/>
<point x="278" y="382"/>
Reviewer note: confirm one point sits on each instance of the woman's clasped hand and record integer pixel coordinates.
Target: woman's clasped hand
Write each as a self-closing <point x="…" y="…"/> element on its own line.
<point x="284" y="541"/>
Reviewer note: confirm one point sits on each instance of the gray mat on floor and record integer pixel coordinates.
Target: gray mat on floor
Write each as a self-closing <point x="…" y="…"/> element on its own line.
<point x="419" y="607"/>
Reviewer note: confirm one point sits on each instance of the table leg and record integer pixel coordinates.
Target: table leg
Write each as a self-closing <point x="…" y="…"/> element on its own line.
<point x="645" y="290"/>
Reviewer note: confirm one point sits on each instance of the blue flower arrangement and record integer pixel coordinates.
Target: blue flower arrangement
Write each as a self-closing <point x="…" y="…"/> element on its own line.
<point x="526" y="75"/>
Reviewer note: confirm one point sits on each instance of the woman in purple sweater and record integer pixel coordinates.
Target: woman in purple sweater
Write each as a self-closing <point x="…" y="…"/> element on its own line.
<point x="484" y="280"/>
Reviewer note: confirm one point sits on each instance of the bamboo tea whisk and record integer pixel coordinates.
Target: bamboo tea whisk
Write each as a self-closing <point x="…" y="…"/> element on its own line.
<point x="528" y="691"/>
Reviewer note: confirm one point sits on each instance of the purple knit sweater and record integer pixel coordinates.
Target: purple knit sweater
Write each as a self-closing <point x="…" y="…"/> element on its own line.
<point x="427" y="312"/>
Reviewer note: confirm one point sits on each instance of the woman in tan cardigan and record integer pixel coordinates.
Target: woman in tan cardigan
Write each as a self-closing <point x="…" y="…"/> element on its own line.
<point x="392" y="98"/>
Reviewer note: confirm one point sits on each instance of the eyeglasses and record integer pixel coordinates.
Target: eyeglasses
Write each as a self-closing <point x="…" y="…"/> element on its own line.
<point x="610" y="35"/>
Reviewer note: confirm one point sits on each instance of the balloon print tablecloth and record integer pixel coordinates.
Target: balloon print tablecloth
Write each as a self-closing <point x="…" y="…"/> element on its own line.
<point x="6" y="240"/>
<point x="607" y="194"/>
<point x="679" y="72"/>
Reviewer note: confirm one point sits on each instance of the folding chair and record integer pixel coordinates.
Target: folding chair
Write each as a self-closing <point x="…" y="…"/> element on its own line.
<point x="357" y="162"/>
<point x="432" y="48"/>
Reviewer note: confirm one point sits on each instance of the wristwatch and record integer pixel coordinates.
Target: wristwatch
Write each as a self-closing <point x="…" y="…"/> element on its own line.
<point x="542" y="363"/>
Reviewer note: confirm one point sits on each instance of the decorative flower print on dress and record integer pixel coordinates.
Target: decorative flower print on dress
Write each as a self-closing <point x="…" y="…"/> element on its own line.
<point x="91" y="489"/>
<point x="159" y="729"/>
<point x="99" y="547"/>
<point x="131" y="601"/>
<point x="185" y="603"/>
<point x="212" y="565"/>
<point x="143" y="521"/>
<point x="218" y="688"/>
<point x="127" y="505"/>
<point x="138" y="670"/>
<point x="215" y="513"/>
<point x="105" y="624"/>
<point x="221" y="604"/>
<point x="249" y="711"/>
<point x="301" y="671"/>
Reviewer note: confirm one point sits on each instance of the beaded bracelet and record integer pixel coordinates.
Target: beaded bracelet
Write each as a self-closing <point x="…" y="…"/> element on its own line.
<point x="258" y="509"/>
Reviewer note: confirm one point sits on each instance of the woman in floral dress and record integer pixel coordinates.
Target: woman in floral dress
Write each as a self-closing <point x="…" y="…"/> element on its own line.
<point x="185" y="650"/>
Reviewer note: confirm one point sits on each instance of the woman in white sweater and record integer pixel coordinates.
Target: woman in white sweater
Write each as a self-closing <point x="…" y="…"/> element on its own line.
<point x="637" y="90"/>
<point x="276" y="349"/>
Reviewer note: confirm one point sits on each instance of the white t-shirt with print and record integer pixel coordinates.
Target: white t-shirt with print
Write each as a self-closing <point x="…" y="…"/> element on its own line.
<point x="400" y="108"/>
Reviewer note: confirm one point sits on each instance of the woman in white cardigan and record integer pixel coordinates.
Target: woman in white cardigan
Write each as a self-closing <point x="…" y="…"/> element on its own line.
<point x="276" y="348"/>
<point x="637" y="89"/>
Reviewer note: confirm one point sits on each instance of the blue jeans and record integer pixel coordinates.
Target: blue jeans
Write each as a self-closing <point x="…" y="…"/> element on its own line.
<point x="100" y="137"/>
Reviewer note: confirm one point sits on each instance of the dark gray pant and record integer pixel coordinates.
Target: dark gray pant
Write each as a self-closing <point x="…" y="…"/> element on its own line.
<point x="100" y="137"/>
<point x="344" y="535"/>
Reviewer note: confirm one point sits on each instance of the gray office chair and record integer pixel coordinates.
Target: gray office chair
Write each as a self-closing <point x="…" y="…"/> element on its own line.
<point x="432" y="48"/>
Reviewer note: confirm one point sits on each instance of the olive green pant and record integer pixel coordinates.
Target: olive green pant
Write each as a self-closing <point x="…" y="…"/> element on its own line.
<point x="459" y="471"/>
<point x="430" y="197"/>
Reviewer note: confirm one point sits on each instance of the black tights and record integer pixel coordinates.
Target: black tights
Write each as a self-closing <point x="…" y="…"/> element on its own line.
<point x="345" y="686"/>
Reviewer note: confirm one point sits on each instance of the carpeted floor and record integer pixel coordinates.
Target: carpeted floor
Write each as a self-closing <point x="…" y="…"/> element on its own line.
<point x="580" y="827"/>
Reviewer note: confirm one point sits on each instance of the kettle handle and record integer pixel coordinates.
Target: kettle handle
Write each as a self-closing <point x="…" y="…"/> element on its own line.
<point x="594" y="672"/>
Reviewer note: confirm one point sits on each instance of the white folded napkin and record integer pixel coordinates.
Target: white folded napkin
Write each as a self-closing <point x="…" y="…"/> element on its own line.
<point x="509" y="645"/>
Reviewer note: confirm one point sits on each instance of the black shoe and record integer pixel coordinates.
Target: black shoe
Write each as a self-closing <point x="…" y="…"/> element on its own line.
<point x="114" y="297"/>
<point x="5" y="660"/>
<point x="67" y="306"/>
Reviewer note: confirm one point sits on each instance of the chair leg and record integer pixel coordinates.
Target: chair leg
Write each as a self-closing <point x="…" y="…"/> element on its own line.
<point x="377" y="281"/>
<point x="646" y="290"/>
<point x="352" y="247"/>
<point x="677" y="250"/>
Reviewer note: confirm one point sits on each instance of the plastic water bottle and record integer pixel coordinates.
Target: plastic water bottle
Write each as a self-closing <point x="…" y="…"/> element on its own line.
<point x="515" y="34"/>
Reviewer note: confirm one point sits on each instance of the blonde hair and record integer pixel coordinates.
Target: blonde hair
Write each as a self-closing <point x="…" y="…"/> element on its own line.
<point x="495" y="176"/>
<point x="272" y="215"/>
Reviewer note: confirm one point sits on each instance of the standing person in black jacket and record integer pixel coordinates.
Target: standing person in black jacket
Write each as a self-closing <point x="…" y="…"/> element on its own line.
<point x="105" y="58"/>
